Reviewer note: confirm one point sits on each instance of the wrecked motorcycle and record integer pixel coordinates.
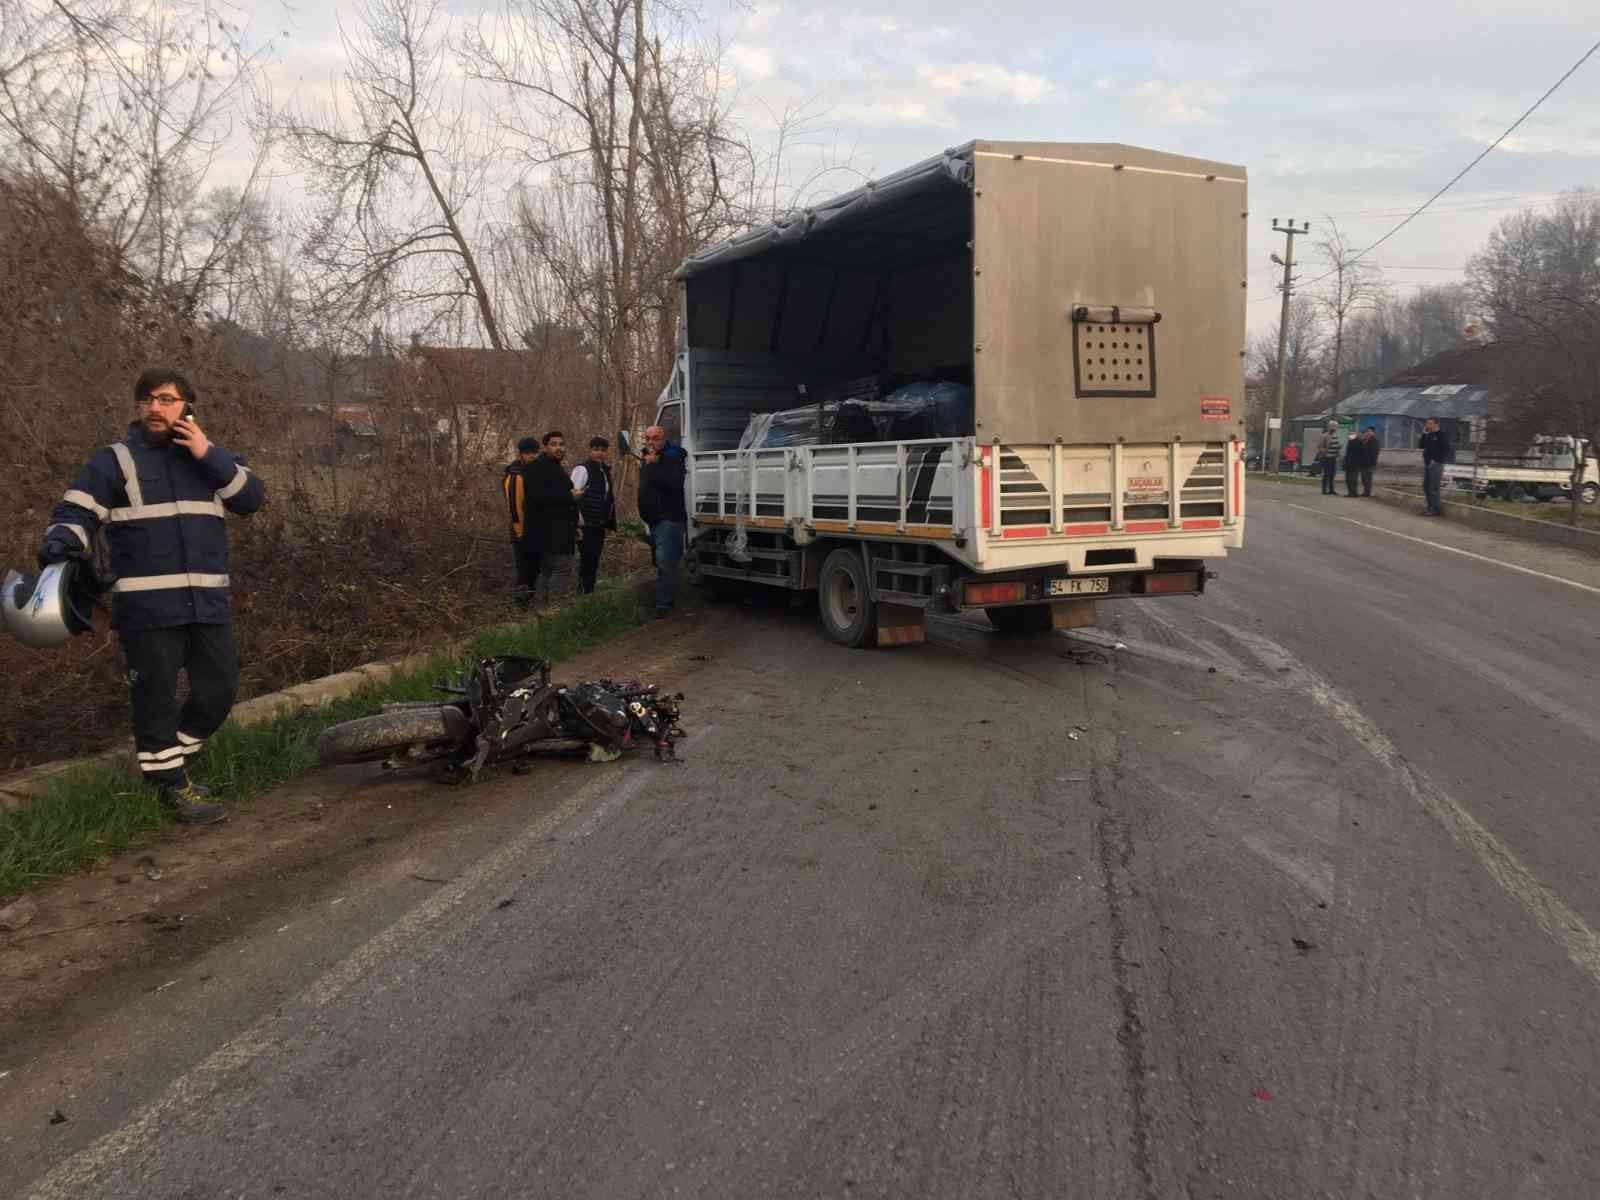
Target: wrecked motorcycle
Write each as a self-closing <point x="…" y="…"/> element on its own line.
<point x="506" y="708"/>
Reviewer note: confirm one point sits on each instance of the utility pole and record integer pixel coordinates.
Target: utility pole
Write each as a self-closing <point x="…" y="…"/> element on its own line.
<point x="1290" y="232"/>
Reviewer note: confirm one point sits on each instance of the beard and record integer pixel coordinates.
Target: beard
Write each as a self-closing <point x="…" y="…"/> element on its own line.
<point x="157" y="432"/>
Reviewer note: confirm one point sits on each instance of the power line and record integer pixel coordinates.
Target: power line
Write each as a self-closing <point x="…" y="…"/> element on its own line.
<point x="1570" y="71"/>
<point x="1482" y="203"/>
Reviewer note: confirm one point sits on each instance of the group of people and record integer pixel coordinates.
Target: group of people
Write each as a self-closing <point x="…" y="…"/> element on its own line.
<point x="556" y="516"/>
<point x="161" y="496"/>
<point x="1360" y="454"/>
<point x="1360" y="457"/>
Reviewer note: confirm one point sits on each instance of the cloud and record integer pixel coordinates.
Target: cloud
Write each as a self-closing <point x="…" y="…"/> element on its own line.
<point x="891" y="111"/>
<point x="1176" y="104"/>
<point x="752" y="64"/>
<point x="988" y="80"/>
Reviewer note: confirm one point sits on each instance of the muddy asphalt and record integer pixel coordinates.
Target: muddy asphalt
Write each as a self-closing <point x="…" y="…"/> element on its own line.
<point x="1288" y="891"/>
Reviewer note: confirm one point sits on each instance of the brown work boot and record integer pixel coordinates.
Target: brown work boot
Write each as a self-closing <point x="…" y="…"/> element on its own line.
<point x="191" y="804"/>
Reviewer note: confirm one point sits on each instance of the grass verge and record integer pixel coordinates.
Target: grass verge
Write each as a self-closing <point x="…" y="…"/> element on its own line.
<point x="100" y="809"/>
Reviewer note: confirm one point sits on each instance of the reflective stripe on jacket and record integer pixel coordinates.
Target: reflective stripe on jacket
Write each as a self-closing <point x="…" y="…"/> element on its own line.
<point x="163" y="511"/>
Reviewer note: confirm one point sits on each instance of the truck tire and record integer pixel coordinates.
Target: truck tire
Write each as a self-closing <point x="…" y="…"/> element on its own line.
<point x="1020" y="618"/>
<point x="1590" y="493"/>
<point x="370" y="739"/>
<point x="849" y="616"/>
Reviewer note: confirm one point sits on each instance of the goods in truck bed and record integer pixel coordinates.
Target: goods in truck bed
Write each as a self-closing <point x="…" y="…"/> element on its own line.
<point x="854" y="412"/>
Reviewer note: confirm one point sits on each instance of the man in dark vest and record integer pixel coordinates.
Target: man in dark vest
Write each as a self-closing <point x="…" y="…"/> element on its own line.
<point x="162" y="495"/>
<point x="597" y="509"/>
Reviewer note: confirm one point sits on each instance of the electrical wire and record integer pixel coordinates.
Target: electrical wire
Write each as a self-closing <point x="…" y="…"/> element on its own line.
<point x="1568" y="74"/>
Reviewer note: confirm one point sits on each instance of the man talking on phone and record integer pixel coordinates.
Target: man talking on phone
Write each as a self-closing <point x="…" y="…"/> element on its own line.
<point x="162" y="495"/>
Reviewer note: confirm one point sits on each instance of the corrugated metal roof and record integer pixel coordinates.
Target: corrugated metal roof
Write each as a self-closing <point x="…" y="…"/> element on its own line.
<point x="842" y="213"/>
<point x="1450" y="401"/>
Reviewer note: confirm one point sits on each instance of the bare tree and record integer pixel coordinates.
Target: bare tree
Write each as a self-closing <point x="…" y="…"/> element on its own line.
<point x="1305" y="382"/>
<point x="1538" y="282"/>
<point x="1353" y="286"/>
<point x="621" y="118"/>
<point x="399" y="163"/>
<point x="126" y="106"/>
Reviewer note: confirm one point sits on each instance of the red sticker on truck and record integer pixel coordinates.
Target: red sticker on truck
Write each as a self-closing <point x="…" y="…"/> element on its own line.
<point x="1215" y="408"/>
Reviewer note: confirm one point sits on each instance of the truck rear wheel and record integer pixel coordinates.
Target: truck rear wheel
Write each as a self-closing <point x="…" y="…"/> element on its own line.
<point x="844" y="599"/>
<point x="1020" y="618"/>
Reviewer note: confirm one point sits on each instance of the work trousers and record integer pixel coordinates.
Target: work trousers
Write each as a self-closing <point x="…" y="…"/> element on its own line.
<point x="527" y="565"/>
<point x="555" y="577"/>
<point x="166" y="735"/>
<point x="1366" y="480"/>
<point x="1352" y="481"/>
<point x="594" y="541"/>
<point x="667" y="538"/>
<point x="1432" y="478"/>
<point x="1329" y="466"/>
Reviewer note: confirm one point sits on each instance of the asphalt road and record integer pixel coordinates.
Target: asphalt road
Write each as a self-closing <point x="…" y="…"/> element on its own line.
<point x="1288" y="891"/>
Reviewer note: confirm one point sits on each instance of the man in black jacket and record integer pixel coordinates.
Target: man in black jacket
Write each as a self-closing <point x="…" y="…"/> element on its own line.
<point x="552" y="508"/>
<point x="162" y="495"/>
<point x="661" y="507"/>
<point x="515" y="486"/>
<point x="1367" y="450"/>
<point x="1436" y="451"/>
<point x="597" y="509"/>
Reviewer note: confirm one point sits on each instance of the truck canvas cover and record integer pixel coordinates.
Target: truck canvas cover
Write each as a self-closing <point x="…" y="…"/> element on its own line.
<point x="1092" y="291"/>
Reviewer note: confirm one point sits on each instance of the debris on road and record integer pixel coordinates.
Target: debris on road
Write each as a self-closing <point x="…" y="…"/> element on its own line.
<point x="147" y="864"/>
<point x="17" y="914"/>
<point x="1261" y="1093"/>
<point x="57" y="1117"/>
<point x="1303" y="946"/>
<point x="507" y="902"/>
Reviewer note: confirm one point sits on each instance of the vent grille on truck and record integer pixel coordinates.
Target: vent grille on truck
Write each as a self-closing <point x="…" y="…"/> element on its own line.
<point x="1114" y="360"/>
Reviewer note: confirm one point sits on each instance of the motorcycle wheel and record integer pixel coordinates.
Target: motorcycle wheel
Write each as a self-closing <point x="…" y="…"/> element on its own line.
<point x="370" y="739"/>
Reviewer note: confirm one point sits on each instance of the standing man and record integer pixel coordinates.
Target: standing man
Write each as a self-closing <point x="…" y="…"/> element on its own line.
<point x="515" y="485"/>
<point x="597" y="509"/>
<point x="163" y="493"/>
<point x="552" y="508"/>
<point x="1328" y="457"/>
<point x="1368" y="450"/>
<point x="662" y="508"/>
<point x="1436" y="451"/>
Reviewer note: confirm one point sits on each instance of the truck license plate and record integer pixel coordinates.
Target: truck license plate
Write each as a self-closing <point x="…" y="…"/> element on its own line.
<point x="1097" y="585"/>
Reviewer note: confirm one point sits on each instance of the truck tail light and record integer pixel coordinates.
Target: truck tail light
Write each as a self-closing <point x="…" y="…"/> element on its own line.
<point x="1173" y="581"/>
<point x="996" y="593"/>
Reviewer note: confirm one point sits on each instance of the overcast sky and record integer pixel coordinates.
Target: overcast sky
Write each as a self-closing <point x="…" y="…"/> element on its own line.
<point x="1358" y="110"/>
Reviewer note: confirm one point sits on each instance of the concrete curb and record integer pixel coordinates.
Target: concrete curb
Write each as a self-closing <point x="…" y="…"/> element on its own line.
<point x="1498" y="522"/>
<point x="20" y="787"/>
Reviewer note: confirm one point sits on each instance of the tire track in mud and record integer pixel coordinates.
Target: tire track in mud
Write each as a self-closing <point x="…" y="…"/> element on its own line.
<point x="1382" y="1050"/>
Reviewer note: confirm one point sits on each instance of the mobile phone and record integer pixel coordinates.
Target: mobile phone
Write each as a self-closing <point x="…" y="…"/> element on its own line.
<point x="188" y="413"/>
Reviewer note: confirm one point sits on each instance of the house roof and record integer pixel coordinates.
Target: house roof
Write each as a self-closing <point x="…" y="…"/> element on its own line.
<point x="1448" y="386"/>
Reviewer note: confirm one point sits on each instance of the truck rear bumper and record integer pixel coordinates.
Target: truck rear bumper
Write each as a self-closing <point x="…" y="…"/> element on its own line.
<point x="1178" y="578"/>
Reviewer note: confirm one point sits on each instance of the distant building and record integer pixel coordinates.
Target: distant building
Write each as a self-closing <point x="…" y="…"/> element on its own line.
<point x="1449" y="387"/>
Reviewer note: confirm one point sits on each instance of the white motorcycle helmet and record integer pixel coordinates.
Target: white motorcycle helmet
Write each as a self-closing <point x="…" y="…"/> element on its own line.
<point x="49" y="609"/>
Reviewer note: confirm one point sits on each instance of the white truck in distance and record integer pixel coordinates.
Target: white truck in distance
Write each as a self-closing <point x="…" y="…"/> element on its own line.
<point x="1542" y="471"/>
<point x="1008" y="378"/>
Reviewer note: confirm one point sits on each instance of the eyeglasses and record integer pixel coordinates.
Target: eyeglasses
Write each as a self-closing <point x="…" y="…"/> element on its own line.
<point x="158" y="398"/>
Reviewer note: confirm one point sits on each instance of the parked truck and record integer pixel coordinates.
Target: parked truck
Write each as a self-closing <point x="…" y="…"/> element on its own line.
<point x="1542" y="471"/>
<point x="1008" y="378"/>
